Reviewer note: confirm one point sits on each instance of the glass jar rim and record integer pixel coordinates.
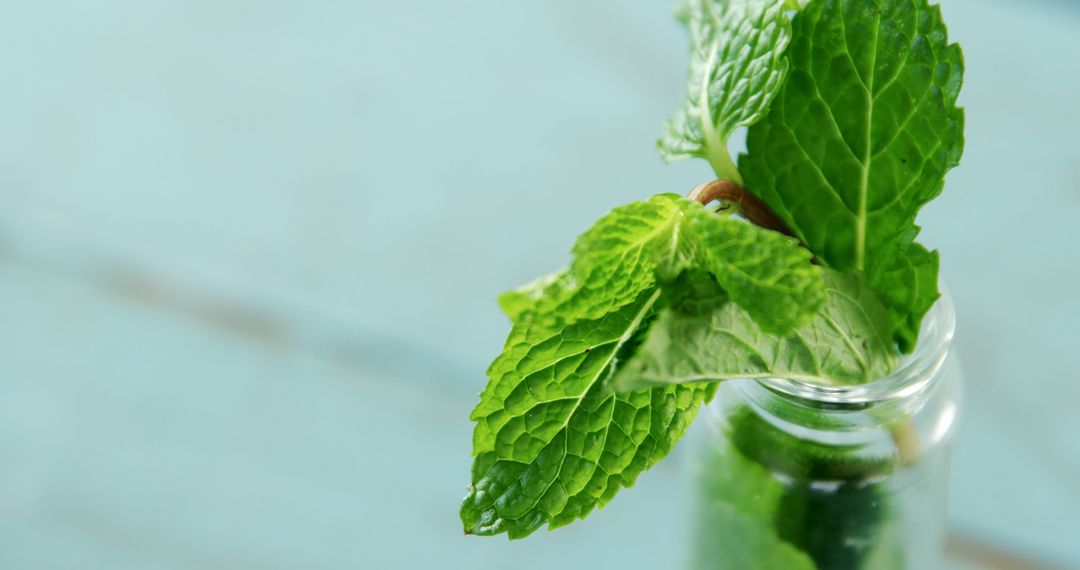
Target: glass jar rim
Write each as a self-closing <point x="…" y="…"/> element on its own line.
<point x="915" y="372"/>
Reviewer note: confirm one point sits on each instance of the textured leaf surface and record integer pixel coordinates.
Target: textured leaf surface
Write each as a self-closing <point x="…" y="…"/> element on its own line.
<point x="702" y="337"/>
<point x="764" y="272"/>
<point x="860" y="138"/>
<point x="736" y="69"/>
<point x="908" y="284"/>
<point x="521" y="300"/>
<point x="552" y="441"/>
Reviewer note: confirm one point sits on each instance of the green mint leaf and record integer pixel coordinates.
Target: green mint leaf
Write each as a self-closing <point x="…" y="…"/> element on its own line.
<point x="764" y="272"/>
<point x="551" y="443"/>
<point x="908" y="285"/>
<point x="860" y="138"/>
<point x="552" y="440"/>
<point x="736" y="69"/>
<point x="705" y="338"/>
<point x="523" y="299"/>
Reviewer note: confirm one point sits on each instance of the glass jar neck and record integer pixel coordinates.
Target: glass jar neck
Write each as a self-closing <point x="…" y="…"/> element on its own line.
<point x="857" y="415"/>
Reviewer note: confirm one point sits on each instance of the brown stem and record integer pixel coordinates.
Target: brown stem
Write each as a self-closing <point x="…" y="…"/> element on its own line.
<point x="750" y="206"/>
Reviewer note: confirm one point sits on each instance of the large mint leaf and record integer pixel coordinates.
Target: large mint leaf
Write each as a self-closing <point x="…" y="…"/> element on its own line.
<point x="736" y="69"/>
<point x="702" y="337"/>
<point x="860" y="138"/>
<point x="552" y="441"/>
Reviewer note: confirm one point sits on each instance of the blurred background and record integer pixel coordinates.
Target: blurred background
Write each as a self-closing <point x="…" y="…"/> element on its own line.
<point x="249" y="252"/>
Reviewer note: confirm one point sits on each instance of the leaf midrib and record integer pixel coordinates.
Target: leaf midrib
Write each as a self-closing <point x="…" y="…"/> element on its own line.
<point x="630" y="329"/>
<point x="868" y="158"/>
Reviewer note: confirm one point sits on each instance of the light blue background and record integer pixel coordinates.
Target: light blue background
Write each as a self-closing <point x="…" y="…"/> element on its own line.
<point x="249" y="252"/>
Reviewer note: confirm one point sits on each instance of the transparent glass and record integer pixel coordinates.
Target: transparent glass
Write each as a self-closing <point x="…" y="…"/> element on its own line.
<point x="796" y="476"/>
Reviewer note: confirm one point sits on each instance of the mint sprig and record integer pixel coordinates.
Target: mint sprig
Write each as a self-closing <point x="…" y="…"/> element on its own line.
<point x="552" y="439"/>
<point x="853" y="123"/>
<point x="736" y="69"/>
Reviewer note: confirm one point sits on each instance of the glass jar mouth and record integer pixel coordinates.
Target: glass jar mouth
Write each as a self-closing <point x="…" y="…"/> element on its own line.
<point x="915" y="372"/>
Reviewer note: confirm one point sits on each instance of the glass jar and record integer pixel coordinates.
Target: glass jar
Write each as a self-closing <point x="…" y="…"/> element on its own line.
<point x="799" y="476"/>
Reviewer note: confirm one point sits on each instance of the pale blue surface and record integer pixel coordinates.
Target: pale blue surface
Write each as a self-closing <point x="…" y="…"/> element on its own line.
<point x="248" y="255"/>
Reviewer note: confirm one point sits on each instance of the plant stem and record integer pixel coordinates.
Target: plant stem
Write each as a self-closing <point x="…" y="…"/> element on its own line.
<point x="721" y="162"/>
<point x="750" y="207"/>
<point x="906" y="439"/>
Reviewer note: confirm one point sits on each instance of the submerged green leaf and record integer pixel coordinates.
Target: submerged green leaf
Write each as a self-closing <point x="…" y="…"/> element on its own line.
<point x="736" y="69"/>
<point x="860" y="138"/>
<point x="736" y="527"/>
<point x="842" y="525"/>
